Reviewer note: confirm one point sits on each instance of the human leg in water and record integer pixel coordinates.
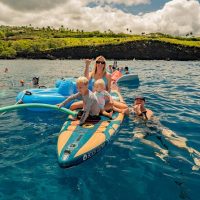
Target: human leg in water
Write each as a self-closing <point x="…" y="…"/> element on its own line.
<point x="180" y="142"/>
<point x="167" y="134"/>
<point x="141" y="134"/>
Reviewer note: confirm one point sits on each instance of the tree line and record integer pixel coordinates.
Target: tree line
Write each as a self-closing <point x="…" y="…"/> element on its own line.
<point x="28" y="40"/>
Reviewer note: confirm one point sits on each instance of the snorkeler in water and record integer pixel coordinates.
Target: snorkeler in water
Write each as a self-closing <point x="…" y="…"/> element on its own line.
<point x="140" y="114"/>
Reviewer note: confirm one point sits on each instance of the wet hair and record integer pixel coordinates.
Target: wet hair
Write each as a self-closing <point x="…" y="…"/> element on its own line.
<point x="126" y="68"/>
<point x="140" y="97"/>
<point x="35" y="80"/>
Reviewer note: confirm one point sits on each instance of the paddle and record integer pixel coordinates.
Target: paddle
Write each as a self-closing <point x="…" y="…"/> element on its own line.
<point x="37" y="105"/>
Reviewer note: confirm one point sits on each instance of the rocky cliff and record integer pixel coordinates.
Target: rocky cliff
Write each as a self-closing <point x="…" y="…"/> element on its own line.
<point x="141" y="50"/>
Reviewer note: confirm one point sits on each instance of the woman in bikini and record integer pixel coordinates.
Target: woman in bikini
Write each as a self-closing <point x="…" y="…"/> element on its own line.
<point x="99" y="72"/>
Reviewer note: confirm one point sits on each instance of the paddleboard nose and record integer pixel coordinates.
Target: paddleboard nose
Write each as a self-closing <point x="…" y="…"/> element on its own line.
<point x="66" y="160"/>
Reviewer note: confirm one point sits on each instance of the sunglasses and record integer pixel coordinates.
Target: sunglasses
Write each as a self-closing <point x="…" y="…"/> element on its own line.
<point x="102" y="62"/>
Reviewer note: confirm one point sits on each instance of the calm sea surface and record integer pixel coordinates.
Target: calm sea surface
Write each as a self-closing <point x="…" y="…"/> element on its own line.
<point x="156" y="166"/>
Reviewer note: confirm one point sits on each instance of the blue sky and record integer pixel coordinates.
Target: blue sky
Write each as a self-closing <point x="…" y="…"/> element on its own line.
<point x="136" y="9"/>
<point x="144" y="8"/>
<point x="141" y="8"/>
<point x="176" y="17"/>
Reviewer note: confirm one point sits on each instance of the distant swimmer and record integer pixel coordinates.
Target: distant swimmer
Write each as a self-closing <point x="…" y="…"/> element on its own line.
<point x="110" y="70"/>
<point x="6" y="70"/>
<point x="126" y="70"/>
<point x="21" y="83"/>
<point x="115" y="64"/>
<point x="144" y="116"/>
<point x="35" y="81"/>
<point x="2" y="85"/>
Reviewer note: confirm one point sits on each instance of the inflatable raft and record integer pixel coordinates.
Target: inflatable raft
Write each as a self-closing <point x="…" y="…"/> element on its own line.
<point x="131" y="79"/>
<point x="77" y="144"/>
<point x="63" y="89"/>
<point x="48" y="95"/>
<point x="127" y="79"/>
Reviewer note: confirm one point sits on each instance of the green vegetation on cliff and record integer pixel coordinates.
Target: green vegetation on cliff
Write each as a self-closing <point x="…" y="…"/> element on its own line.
<point x="28" y="40"/>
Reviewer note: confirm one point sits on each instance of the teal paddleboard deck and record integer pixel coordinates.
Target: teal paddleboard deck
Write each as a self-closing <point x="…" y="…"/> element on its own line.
<point x="77" y="144"/>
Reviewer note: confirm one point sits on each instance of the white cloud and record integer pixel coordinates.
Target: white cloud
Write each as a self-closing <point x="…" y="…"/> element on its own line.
<point x="176" y="17"/>
<point x="35" y="5"/>
<point x="124" y="2"/>
<point x="32" y="5"/>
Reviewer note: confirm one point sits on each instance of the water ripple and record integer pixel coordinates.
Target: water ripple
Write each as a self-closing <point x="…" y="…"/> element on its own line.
<point x="143" y="161"/>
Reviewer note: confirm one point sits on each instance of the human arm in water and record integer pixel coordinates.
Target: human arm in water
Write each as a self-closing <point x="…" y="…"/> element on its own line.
<point x="140" y="111"/>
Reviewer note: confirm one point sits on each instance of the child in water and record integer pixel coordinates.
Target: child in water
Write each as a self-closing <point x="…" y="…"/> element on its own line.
<point x="90" y="104"/>
<point x="102" y="96"/>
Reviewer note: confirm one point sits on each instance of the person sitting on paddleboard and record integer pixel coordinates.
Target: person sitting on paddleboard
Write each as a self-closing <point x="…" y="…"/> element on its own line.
<point x="102" y="96"/>
<point x="139" y="109"/>
<point x="99" y="72"/>
<point x="90" y="103"/>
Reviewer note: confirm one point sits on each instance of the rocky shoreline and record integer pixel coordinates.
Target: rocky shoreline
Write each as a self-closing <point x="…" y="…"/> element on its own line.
<point x="140" y="50"/>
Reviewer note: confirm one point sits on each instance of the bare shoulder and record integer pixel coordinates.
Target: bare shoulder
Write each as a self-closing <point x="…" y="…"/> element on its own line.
<point x="149" y="113"/>
<point x="108" y="75"/>
<point x="90" y="75"/>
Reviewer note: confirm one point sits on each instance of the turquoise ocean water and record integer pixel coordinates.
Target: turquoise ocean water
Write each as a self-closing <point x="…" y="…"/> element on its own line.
<point x="156" y="166"/>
